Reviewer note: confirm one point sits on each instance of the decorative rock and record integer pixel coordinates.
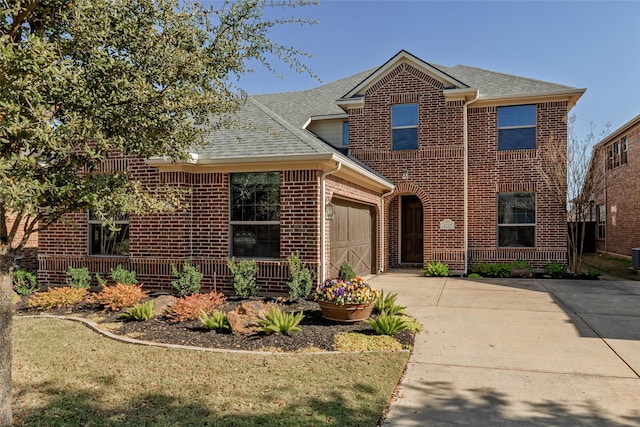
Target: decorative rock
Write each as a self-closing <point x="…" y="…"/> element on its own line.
<point x="521" y="273"/>
<point x="244" y="319"/>
<point x="162" y="303"/>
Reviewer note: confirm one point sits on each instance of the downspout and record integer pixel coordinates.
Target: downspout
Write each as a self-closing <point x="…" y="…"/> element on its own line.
<point x="466" y="180"/>
<point x="382" y="229"/>
<point x="323" y="215"/>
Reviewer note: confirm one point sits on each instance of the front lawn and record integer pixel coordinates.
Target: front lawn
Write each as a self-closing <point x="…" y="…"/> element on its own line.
<point x="64" y="374"/>
<point x="611" y="264"/>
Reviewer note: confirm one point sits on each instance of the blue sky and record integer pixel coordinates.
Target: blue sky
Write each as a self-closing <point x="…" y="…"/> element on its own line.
<point x="585" y="44"/>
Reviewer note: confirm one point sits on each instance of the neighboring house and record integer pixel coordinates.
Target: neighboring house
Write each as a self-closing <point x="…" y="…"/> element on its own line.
<point x="615" y="170"/>
<point x="395" y="166"/>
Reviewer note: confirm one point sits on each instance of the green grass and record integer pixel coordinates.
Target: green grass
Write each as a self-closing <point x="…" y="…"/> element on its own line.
<point x="610" y="264"/>
<point x="65" y="374"/>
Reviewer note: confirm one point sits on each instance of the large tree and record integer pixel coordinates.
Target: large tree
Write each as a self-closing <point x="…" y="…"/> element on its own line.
<point x="80" y="79"/>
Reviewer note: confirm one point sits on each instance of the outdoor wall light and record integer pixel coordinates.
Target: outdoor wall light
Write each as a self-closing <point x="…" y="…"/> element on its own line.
<point x="405" y="173"/>
<point x="329" y="211"/>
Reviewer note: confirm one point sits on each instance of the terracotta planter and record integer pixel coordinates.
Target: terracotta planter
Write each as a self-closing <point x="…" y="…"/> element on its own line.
<point x="345" y="313"/>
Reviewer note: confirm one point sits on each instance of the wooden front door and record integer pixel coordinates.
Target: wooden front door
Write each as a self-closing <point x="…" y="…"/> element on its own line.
<point x="411" y="230"/>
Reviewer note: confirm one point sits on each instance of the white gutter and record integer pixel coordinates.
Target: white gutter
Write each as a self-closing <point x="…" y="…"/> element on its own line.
<point x="382" y="228"/>
<point x="466" y="181"/>
<point x="323" y="216"/>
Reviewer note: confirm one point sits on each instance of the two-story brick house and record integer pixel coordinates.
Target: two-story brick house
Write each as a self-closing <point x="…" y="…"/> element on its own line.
<point x="406" y="163"/>
<point x="615" y="172"/>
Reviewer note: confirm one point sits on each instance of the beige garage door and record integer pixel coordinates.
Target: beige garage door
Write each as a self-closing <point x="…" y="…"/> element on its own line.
<point x="352" y="237"/>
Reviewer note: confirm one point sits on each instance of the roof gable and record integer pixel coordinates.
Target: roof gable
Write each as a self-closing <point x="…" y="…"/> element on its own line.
<point x="403" y="57"/>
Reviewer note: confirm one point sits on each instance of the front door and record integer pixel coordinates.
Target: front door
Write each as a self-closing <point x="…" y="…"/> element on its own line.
<point x="411" y="230"/>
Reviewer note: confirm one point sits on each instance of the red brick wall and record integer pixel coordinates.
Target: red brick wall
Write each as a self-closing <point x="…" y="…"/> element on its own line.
<point x="199" y="233"/>
<point x="27" y="258"/>
<point x="492" y="171"/>
<point x="436" y="171"/>
<point x="622" y="198"/>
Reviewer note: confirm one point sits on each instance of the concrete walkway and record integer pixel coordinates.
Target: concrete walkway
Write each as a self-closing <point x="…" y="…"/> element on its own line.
<point x="503" y="352"/>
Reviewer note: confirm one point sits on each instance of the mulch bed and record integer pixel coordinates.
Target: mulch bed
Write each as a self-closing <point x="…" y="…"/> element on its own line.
<point x="317" y="333"/>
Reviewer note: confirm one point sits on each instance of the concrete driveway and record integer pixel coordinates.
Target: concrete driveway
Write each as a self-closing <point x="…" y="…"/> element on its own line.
<point x="528" y="352"/>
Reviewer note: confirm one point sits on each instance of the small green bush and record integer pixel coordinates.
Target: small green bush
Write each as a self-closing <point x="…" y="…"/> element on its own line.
<point x="474" y="276"/>
<point x="493" y="269"/>
<point x="300" y="278"/>
<point x="140" y="312"/>
<point x="216" y="321"/>
<point x="24" y="282"/>
<point x="388" y="304"/>
<point x="124" y="276"/>
<point x="593" y="274"/>
<point x="521" y="264"/>
<point x="435" y="269"/>
<point x="414" y="325"/>
<point x="243" y="274"/>
<point x="189" y="279"/>
<point x="78" y="278"/>
<point x="346" y="271"/>
<point x="555" y="269"/>
<point x="277" y="321"/>
<point x="388" y="324"/>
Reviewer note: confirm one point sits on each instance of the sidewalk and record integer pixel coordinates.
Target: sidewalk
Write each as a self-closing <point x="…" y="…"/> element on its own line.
<point x="519" y="352"/>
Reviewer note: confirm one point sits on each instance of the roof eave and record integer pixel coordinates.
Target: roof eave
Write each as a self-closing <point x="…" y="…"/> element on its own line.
<point x="570" y="95"/>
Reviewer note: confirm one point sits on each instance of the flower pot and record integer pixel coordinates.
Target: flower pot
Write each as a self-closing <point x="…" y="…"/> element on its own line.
<point x="346" y="313"/>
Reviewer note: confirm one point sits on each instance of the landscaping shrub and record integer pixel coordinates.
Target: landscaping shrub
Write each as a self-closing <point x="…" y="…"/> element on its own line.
<point x="277" y="321"/>
<point x="191" y="307"/>
<point x="244" y="277"/>
<point x="388" y="304"/>
<point x="300" y="278"/>
<point x="24" y="282"/>
<point x="78" y="277"/>
<point x="124" y="276"/>
<point x="474" y="276"/>
<point x="57" y="297"/>
<point x="189" y="278"/>
<point x="519" y="263"/>
<point x="493" y="269"/>
<point x="555" y="269"/>
<point x="140" y="312"/>
<point x="388" y="324"/>
<point x="346" y="271"/>
<point x="215" y="321"/>
<point x="119" y="296"/>
<point x="593" y="274"/>
<point x="435" y="269"/>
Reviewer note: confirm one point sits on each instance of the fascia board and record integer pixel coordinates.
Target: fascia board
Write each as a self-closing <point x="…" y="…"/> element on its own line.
<point x="350" y="170"/>
<point x="570" y="95"/>
<point x="322" y="117"/>
<point x="463" y="94"/>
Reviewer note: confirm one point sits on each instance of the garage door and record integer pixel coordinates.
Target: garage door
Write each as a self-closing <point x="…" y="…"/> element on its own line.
<point x="352" y="237"/>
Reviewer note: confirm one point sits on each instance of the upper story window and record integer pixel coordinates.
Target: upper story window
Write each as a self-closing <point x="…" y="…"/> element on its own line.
<point x="617" y="153"/>
<point x="517" y="127"/>
<point x="601" y="219"/>
<point x="404" y="126"/>
<point x="345" y="133"/>
<point x="108" y="240"/>
<point x="255" y="214"/>
<point x="516" y="219"/>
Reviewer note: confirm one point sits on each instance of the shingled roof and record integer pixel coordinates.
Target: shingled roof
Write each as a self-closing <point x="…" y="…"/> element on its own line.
<point x="272" y="125"/>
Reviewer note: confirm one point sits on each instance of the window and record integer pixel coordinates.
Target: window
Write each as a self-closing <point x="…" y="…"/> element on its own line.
<point x="517" y="127"/>
<point x="616" y="153"/>
<point x="345" y="133"/>
<point x="624" y="150"/>
<point x="516" y="219"/>
<point x="108" y="240"/>
<point x="610" y="163"/>
<point x="601" y="217"/>
<point x="255" y="215"/>
<point x="404" y="126"/>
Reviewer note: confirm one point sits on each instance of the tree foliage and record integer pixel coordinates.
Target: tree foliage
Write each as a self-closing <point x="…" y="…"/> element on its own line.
<point x="84" y="80"/>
